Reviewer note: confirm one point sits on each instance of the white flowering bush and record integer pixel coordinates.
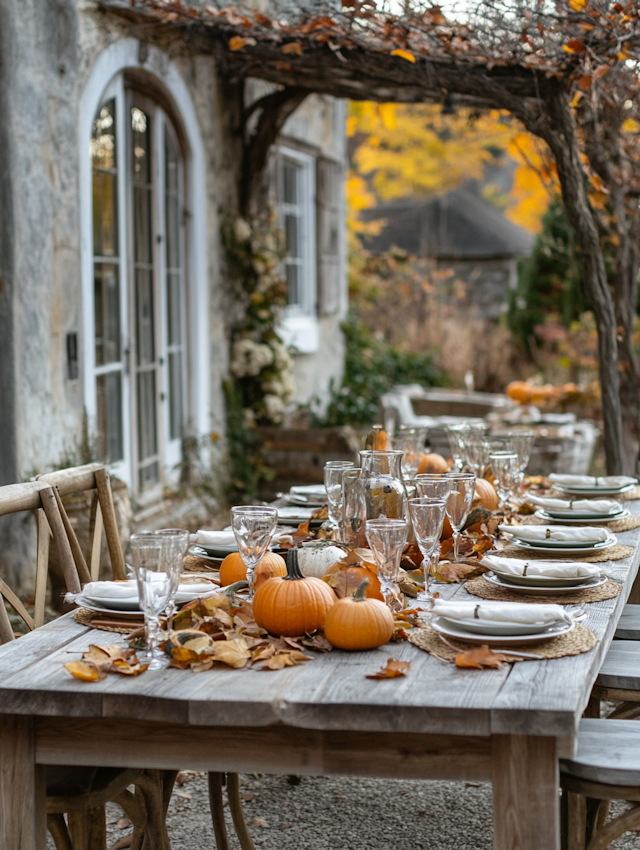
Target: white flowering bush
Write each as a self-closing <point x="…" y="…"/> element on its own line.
<point x="249" y="358"/>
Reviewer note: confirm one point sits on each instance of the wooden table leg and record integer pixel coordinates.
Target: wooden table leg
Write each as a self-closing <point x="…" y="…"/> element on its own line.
<point x="22" y="788"/>
<point x="526" y="803"/>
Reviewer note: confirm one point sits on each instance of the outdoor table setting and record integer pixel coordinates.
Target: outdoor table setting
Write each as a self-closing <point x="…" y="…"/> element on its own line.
<point x="367" y="639"/>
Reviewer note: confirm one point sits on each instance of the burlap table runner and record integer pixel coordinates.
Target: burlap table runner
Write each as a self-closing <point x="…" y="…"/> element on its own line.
<point x="95" y="620"/>
<point x="613" y="553"/>
<point x="485" y="590"/>
<point x="578" y="640"/>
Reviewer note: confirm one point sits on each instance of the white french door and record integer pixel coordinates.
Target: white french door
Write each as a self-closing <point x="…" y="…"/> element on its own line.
<point x="140" y="356"/>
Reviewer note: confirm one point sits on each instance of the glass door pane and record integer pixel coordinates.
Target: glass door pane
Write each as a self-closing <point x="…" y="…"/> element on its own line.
<point x="144" y="307"/>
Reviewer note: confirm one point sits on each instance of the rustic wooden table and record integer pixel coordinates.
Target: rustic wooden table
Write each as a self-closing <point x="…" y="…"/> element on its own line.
<point x="505" y="726"/>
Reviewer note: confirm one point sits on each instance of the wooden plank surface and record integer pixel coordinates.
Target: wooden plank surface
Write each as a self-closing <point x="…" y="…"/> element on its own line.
<point x="629" y="623"/>
<point x="329" y="693"/>
<point x="608" y="752"/>
<point x="274" y="749"/>
<point x="22" y="787"/>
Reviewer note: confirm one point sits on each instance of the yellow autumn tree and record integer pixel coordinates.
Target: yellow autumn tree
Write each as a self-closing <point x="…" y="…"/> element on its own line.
<point x="402" y="150"/>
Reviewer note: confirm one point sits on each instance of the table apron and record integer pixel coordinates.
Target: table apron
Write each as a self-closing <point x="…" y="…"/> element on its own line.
<point x="271" y="749"/>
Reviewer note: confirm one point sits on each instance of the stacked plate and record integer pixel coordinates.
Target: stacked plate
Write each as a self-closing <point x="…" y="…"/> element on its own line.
<point x="589" y="485"/>
<point x="307" y="495"/>
<point x="580" y="517"/>
<point x="542" y="578"/>
<point x="95" y="596"/>
<point x="561" y="539"/>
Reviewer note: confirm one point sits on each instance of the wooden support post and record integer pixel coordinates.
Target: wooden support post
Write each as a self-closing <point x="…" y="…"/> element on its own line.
<point x="22" y="788"/>
<point x="76" y="551"/>
<point x="42" y="568"/>
<point x="110" y="526"/>
<point x="96" y="525"/>
<point x="67" y="563"/>
<point x="526" y="803"/>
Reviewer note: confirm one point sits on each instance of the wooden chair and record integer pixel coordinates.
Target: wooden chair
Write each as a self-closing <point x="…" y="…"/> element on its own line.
<point x="606" y="767"/>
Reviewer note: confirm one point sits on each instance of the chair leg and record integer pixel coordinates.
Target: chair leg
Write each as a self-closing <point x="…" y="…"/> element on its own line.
<point x="150" y="787"/>
<point x="630" y="820"/>
<point x="217" y="811"/>
<point x="574" y="812"/>
<point x="235" y="804"/>
<point x="134" y="808"/>
<point x="593" y="707"/>
<point x="625" y="711"/>
<point x="57" y="826"/>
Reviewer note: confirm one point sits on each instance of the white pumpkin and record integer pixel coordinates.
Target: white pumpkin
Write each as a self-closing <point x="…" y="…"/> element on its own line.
<point x="314" y="559"/>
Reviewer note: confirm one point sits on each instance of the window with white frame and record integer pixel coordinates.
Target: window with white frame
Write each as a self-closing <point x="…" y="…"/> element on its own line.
<point x="295" y="183"/>
<point x="140" y="362"/>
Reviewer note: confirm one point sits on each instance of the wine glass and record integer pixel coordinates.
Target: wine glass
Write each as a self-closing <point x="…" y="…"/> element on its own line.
<point x="153" y="564"/>
<point x="353" y="506"/>
<point x="386" y="538"/>
<point x="179" y="540"/>
<point x="253" y="526"/>
<point x="506" y="469"/>
<point x="459" y="503"/>
<point x="333" y="470"/>
<point x="456" y="435"/>
<point x="432" y="485"/>
<point x="521" y="442"/>
<point x="427" y="516"/>
<point x="411" y="442"/>
<point x="476" y="452"/>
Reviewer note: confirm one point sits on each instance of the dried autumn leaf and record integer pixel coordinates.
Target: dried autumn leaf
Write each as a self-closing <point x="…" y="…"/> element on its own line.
<point x="403" y="54"/>
<point x="459" y="572"/>
<point x="585" y="82"/>
<point x="85" y="671"/>
<point x="481" y="658"/>
<point x="237" y="42"/>
<point x="129" y="669"/>
<point x="293" y="48"/>
<point x="392" y="669"/>
<point x="235" y="653"/>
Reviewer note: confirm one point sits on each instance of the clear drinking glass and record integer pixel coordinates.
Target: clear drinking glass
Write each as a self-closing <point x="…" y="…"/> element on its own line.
<point x="476" y="452"/>
<point x="333" y="470"/>
<point x="506" y="469"/>
<point x="385" y="493"/>
<point x="432" y="485"/>
<point x="427" y="516"/>
<point x="353" y="508"/>
<point x="153" y="562"/>
<point x="456" y="435"/>
<point x="386" y="538"/>
<point x="410" y="441"/>
<point x="253" y="526"/>
<point x="180" y="545"/>
<point x="521" y="442"/>
<point x="459" y="503"/>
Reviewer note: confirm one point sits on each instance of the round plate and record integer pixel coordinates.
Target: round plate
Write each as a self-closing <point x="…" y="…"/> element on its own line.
<point x="478" y="626"/>
<point x="580" y="519"/>
<point x="85" y="602"/>
<point x="592" y="491"/>
<point x="574" y="550"/>
<point x="545" y="590"/>
<point x="502" y="640"/>
<point x="114" y="603"/>
<point x="542" y="581"/>
<point x="199" y="552"/>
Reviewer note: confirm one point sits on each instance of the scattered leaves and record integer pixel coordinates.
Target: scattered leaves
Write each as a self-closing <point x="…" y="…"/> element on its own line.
<point x="392" y="670"/>
<point x="459" y="572"/>
<point x="481" y="658"/>
<point x="404" y="54"/>
<point x="292" y="48"/>
<point x="98" y="661"/>
<point x="237" y="42"/>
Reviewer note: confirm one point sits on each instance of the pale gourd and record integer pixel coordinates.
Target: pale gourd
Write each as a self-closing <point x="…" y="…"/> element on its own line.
<point x="315" y="559"/>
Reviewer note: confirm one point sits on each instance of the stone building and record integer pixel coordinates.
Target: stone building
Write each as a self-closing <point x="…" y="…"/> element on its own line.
<point x="119" y="159"/>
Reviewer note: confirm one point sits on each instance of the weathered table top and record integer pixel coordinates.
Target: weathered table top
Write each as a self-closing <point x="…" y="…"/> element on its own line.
<point x="330" y="693"/>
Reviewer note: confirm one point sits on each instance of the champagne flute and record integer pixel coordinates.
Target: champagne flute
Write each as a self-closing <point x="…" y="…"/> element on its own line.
<point x="427" y="516"/>
<point x="253" y="526"/>
<point x="386" y="538"/>
<point x="506" y="469"/>
<point x="179" y="540"/>
<point x="459" y="503"/>
<point x="333" y="470"/>
<point x="153" y="564"/>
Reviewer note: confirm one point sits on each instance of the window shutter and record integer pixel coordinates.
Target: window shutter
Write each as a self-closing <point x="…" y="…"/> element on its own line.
<point x="328" y="191"/>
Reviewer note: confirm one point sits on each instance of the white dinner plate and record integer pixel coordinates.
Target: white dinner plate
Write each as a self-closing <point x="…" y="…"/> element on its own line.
<point x="502" y="640"/>
<point x="479" y="626"/>
<point x="580" y="519"/>
<point x="200" y="552"/>
<point x="544" y="590"/>
<point x="570" y="549"/>
<point x="592" y="491"/>
<point x="542" y="581"/>
<point x="123" y="613"/>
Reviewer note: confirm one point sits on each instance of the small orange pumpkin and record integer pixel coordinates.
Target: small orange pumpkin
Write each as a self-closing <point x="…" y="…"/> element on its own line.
<point x="432" y="463"/>
<point x="292" y="605"/>
<point x="520" y="391"/>
<point x="356" y="622"/>
<point x="485" y="494"/>
<point x="232" y="569"/>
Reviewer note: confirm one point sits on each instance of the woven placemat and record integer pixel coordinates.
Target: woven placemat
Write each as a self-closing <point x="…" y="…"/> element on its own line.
<point x="578" y="640"/>
<point x="613" y="553"/>
<point x="615" y="525"/>
<point x="87" y="617"/>
<point x="485" y="590"/>
<point x="194" y="564"/>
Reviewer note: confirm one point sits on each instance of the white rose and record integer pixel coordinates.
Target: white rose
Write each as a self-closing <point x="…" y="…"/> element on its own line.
<point x="274" y="407"/>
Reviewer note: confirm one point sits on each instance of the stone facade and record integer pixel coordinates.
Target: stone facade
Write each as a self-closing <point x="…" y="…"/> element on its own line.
<point x="57" y="59"/>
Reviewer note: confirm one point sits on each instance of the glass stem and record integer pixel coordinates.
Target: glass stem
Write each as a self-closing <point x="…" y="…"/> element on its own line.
<point x="153" y="631"/>
<point x="170" y="614"/>
<point x="426" y="565"/>
<point x="456" y="546"/>
<point x="251" y="579"/>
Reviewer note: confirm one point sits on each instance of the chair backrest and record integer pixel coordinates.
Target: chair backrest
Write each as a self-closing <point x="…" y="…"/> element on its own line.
<point x="76" y="479"/>
<point x="39" y="497"/>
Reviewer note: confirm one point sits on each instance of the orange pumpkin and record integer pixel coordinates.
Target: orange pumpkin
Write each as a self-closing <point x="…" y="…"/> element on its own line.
<point x="519" y="391"/>
<point x="486" y="495"/>
<point x="433" y="464"/>
<point x="232" y="569"/>
<point x="356" y="622"/>
<point x="292" y="605"/>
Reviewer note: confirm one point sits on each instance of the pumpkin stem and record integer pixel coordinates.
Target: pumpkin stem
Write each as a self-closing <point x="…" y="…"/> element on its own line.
<point x="293" y="568"/>
<point x="360" y="593"/>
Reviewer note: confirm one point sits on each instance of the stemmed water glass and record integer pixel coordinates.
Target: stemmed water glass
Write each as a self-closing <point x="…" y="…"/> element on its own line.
<point x="432" y="485"/>
<point x="476" y="452"/>
<point x="459" y="503"/>
<point x="427" y="516"/>
<point x="253" y="526"/>
<point x="153" y="556"/>
<point x="353" y="507"/>
<point x="456" y="435"/>
<point x="179" y="540"/>
<point x="386" y="538"/>
<point x="521" y="442"/>
<point x="411" y="442"/>
<point x="506" y="469"/>
<point x="333" y="470"/>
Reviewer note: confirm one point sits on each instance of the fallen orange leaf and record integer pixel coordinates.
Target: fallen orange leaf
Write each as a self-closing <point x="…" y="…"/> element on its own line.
<point x="481" y="658"/>
<point x="391" y="670"/>
<point x="403" y="54"/>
